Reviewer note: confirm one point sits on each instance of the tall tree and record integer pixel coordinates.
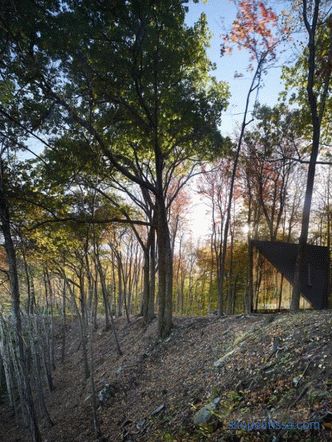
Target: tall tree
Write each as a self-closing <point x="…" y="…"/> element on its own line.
<point x="317" y="88"/>
<point x="122" y="90"/>
<point x="255" y="29"/>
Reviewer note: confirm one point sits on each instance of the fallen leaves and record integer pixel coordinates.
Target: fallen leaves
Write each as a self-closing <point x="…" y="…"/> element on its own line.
<point x="156" y="382"/>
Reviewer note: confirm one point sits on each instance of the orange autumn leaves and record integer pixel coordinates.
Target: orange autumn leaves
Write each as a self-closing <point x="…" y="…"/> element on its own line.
<point x="255" y="28"/>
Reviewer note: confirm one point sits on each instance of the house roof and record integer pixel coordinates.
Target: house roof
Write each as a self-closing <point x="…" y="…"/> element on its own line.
<point x="314" y="281"/>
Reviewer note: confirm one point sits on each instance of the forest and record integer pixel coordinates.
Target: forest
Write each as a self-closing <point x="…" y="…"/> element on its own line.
<point x="165" y="204"/>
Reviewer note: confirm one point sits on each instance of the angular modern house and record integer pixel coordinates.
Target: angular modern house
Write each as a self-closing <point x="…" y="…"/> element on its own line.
<point x="281" y="256"/>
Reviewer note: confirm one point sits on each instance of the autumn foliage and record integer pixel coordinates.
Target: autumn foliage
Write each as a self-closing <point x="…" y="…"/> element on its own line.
<point x="255" y="28"/>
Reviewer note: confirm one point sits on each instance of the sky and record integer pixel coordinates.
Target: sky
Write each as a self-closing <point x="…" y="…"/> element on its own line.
<point x="220" y="15"/>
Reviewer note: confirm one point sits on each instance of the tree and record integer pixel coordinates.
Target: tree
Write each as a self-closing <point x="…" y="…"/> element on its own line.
<point x="269" y="159"/>
<point x="255" y="29"/>
<point x="317" y="91"/>
<point x="215" y="187"/>
<point x="120" y="89"/>
<point x="10" y="142"/>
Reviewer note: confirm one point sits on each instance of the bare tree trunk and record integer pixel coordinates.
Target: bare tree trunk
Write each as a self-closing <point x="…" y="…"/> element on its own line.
<point x="152" y="278"/>
<point x="109" y="321"/>
<point x="113" y="284"/>
<point x="328" y="241"/>
<point x="230" y="279"/>
<point x="231" y="189"/>
<point x="316" y="118"/>
<point x="120" y="289"/>
<point x="146" y="285"/>
<point x="211" y="275"/>
<point x="249" y="291"/>
<point x="165" y="270"/>
<point x="280" y="292"/>
<point x="104" y="290"/>
<point x="95" y="419"/>
<point x="30" y="301"/>
<point x="82" y="317"/>
<point x="15" y="294"/>
<point x="51" y="331"/>
<point x="148" y="275"/>
<point x="124" y="291"/>
<point x="64" y="323"/>
<point x="95" y="301"/>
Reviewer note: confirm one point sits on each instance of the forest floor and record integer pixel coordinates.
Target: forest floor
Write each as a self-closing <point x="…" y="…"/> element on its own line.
<point x="157" y="388"/>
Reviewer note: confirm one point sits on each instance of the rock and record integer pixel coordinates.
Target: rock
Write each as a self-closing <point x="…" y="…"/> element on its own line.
<point x="158" y="410"/>
<point x="220" y="362"/>
<point x="326" y="420"/>
<point x="125" y="423"/>
<point x="205" y="414"/>
<point x="141" y="425"/>
<point x="106" y="393"/>
<point x="297" y="380"/>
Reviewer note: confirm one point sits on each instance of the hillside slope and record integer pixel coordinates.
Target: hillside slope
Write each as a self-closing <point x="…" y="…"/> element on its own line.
<point x="247" y="368"/>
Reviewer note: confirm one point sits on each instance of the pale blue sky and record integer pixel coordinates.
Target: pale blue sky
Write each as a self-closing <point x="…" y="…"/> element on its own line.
<point x="220" y="15"/>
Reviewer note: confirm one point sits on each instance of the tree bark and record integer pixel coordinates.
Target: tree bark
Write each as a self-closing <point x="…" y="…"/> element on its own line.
<point x="165" y="270"/>
<point x="232" y="183"/>
<point x="15" y="294"/>
<point x="316" y="115"/>
<point x="109" y="321"/>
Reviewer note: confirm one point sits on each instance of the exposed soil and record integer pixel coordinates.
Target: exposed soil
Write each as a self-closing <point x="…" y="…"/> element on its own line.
<point x="157" y="387"/>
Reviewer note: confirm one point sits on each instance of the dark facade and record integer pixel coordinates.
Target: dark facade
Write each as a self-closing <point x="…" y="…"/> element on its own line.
<point x="314" y="281"/>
